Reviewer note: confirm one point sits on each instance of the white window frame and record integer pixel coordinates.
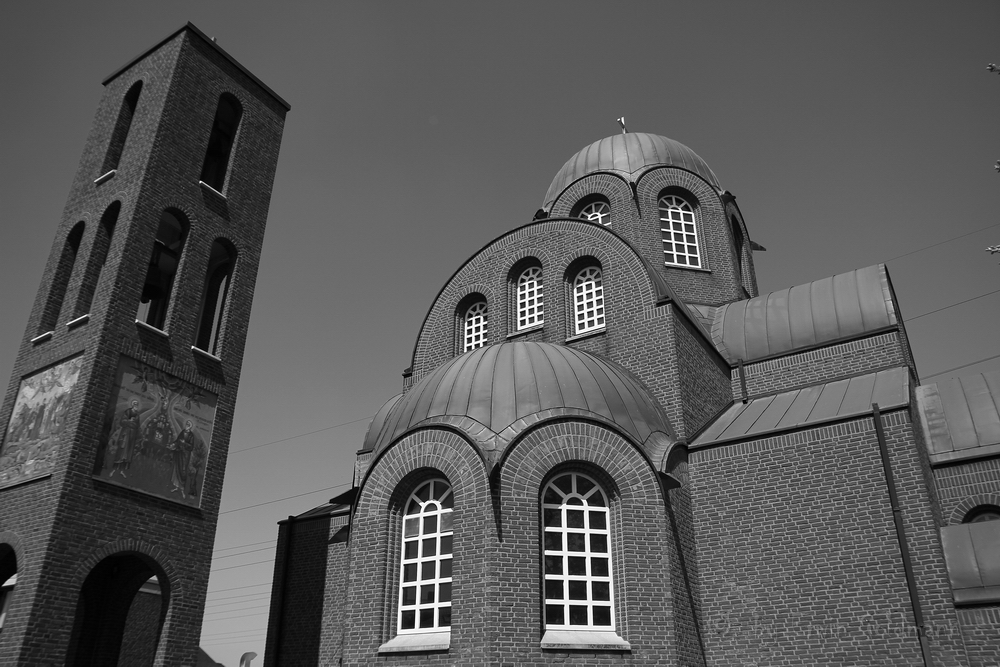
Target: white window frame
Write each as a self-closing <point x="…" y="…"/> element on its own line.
<point x="577" y="520"/>
<point x="475" y="326"/>
<point x="530" y="298"/>
<point x="425" y="560"/>
<point x="588" y="301"/>
<point x="597" y="211"/>
<point x="679" y="230"/>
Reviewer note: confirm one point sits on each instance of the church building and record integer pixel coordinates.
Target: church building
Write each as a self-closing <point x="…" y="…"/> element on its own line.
<point x="611" y="449"/>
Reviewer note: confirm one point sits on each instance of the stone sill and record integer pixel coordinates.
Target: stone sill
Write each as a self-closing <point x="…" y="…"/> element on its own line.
<point x="584" y="640"/>
<point x="105" y="177"/>
<point x="521" y="332"/>
<point x="584" y="336"/>
<point x="420" y="641"/>
<point x="208" y="187"/>
<point x="198" y="350"/>
<point x="41" y="338"/>
<point x="83" y="319"/>
<point x="150" y="327"/>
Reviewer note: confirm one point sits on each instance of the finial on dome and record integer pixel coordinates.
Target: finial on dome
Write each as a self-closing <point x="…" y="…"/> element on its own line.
<point x="621" y="121"/>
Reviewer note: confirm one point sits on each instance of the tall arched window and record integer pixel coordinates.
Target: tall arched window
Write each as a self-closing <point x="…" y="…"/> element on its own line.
<point x="213" y="303"/>
<point x="122" y="126"/>
<point x="738" y="243"/>
<point x="474" y="326"/>
<point x="680" y="238"/>
<point x="588" y="300"/>
<point x="426" y="559"/>
<point x="163" y="263"/>
<point x="60" y="280"/>
<point x="220" y="142"/>
<point x="530" y="308"/>
<point x="982" y="513"/>
<point x="577" y="555"/>
<point x="98" y="257"/>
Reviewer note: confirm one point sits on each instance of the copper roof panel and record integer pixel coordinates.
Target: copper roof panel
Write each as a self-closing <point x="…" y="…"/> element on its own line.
<point x="892" y="387"/>
<point x="845" y="299"/>
<point x="526" y="385"/>
<point x="803" y="404"/>
<point x="745" y="421"/>
<point x="986" y="543"/>
<point x="858" y="397"/>
<point x="549" y="392"/>
<point x="985" y="416"/>
<point x="719" y="426"/>
<point x="442" y="395"/>
<point x="828" y="405"/>
<point x="422" y="403"/>
<point x="800" y="319"/>
<point x="770" y="418"/>
<point x="569" y="384"/>
<point x="601" y="395"/>
<point x="956" y="407"/>
<point x="824" y="311"/>
<point x="960" y="557"/>
<point x="634" y="407"/>
<point x="504" y="403"/>
<point x="481" y="396"/>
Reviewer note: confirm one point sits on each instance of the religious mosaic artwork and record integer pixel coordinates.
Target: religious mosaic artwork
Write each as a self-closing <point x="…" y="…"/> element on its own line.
<point x="156" y="434"/>
<point x="34" y="435"/>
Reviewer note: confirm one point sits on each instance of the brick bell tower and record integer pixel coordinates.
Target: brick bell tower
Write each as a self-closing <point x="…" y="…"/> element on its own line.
<point x="118" y="415"/>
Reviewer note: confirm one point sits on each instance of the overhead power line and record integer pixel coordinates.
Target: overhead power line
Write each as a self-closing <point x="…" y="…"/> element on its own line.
<point x="956" y="368"/>
<point x="240" y="546"/>
<point x="917" y="317"/>
<point x="278" y="500"/>
<point x="233" y="567"/>
<point x="934" y="245"/>
<point x="238" y="588"/>
<point x="300" y="435"/>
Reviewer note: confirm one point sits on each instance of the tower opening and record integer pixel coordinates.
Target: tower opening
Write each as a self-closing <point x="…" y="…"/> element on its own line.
<point x="220" y="142"/>
<point x="162" y="269"/>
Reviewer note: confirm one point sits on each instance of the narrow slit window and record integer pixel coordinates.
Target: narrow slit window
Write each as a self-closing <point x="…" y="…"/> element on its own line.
<point x="60" y="280"/>
<point x="217" y="284"/>
<point x="426" y="560"/>
<point x="577" y="555"/>
<point x="220" y="142"/>
<point x="680" y="237"/>
<point x="120" y="133"/>
<point x="588" y="300"/>
<point x="530" y="311"/>
<point x="474" y="326"/>
<point x="162" y="269"/>
<point x="98" y="257"/>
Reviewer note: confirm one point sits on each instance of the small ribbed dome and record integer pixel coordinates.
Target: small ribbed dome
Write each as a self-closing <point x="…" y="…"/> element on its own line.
<point x="630" y="156"/>
<point x="495" y="392"/>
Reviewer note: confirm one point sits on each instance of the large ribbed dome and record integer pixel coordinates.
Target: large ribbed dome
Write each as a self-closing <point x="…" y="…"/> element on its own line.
<point x="630" y="156"/>
<point x="495" y="392"/>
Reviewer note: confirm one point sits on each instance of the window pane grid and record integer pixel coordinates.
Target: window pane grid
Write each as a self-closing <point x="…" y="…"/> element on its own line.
<point x="474" y="326"/>
<point x="598" y="211"/>
<point x="529" y="298"/>
<point x="588" y="300"/>
<point x="680" y="239"/>
<point x="577" y="559"/>
<point x="426" y="560"/>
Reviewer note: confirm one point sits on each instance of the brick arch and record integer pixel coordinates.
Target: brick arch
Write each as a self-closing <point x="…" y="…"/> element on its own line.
<point x="375" y="539"/>
<point x="149" y="551"/>
<point x="642" y="541"/>
<point x="618" y="191"/>
<point x="631" y="275"/>
<point x="971" y="502"/>
<point x="11" y="540"/>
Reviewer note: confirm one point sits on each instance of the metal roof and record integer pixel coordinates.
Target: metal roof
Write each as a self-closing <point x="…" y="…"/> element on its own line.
<point x="629" y="156"/>
<point x="810" y="406"/>
<point x="493" y="393"/>
<point x="821" y="312"/>
<point x="970" y="554"/>
<point x="961" y="416"/>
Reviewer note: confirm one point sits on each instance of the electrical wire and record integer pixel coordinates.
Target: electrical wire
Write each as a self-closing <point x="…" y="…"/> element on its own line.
<point x="237" y="588"/>
<point x="278" y="500"/>
<point x="917" y="317"/>
<point x="971" y="363"/>
<point x="240" y="546"/>
<point x="233" y="567"/>
<point x="934" y="245"/>
<point x="300" y="435"/>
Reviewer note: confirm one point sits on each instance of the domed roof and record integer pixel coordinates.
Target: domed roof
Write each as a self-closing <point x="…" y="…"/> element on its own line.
<point x="630" y="156"/>
<point x="495" y="392"/>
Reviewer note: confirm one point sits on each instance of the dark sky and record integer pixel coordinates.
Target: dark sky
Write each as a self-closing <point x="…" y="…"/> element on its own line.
<point x="851" y="134"/>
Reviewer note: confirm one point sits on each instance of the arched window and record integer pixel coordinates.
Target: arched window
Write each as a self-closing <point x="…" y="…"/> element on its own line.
<point x="426" y="559"/>
<point x="220" y="142"/>
<point x="982" y="513"/>
<point x="530" y="311"/>
<point x="97" y="259"/>
<point x="60" y="280"/>
<point x="8" y="579"/>
<point x="680" y="238"/>
<point x="738" y="243"/>
<point x="474" y="326"/>
<point x="588" y="300"/>
<point x="596" y="211"/>
<point x="213" y="303"/>
<point x="163" y="263"/>
<point x="577" y="555"/>
<point x="122" y="126"/>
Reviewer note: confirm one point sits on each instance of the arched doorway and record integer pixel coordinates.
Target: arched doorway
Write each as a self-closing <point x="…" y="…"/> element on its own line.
<point x="120" y="613"/>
